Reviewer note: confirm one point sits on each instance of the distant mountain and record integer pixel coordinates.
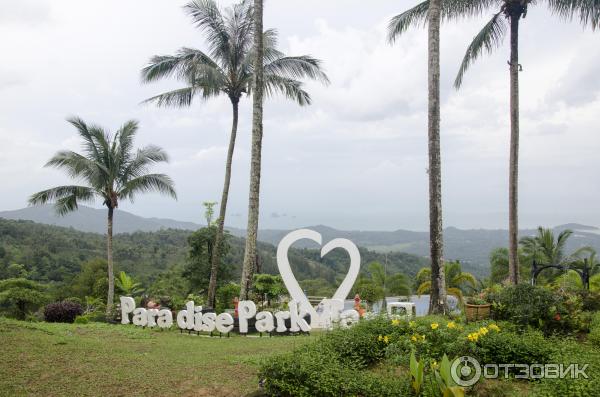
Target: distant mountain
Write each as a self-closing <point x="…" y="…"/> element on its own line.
<point x="93" y="220"/>
<point x="472" y="247"/>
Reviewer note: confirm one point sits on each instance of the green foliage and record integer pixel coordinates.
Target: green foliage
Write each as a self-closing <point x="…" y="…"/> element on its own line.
<point x="594" y="336"/>
<point x="457" y="281"/>
<point x="127" y="286"/>
<point x="444" y="380"/>
<point x="417" y="371"/>
<point x="526" y="305"/>
<point x="398" y="285"/>
<point x="19" y="296"/>
<point x="91" y="281"/>
<point x="197" y="269"/>
<point x="225" y="296"/>
<point x="368" y="290"/>
<point x="268" y="287"/>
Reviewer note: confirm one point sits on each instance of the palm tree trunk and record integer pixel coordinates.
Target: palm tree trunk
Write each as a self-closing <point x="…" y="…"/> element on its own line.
<point x="255" y="163"/>
<point x="214" y="266"/>
<point x="513" y="180"/>
<point x="437" y="303"/>
<point x="109" y="255"/>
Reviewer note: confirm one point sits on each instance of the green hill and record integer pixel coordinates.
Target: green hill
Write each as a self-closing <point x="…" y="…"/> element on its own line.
<point x="52" y="253"/>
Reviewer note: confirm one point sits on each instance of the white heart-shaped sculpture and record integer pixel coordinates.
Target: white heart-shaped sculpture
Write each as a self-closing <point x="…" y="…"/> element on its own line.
<point x="291" y="283"/>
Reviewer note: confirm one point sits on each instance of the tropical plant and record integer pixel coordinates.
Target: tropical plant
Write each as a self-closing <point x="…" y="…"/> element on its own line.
<point x="499" y="264"/>
<point x="127" y="286"/>
<point x="396" y="284"/>
<point x="20" y="295"/>
<point x="268" y="287"/>
<point x="228" y="68"/>
<point x="111" y="170"/>
<point x="546" y="248"/>
<point x="507" y="18"/>
<point x="457" y="281"/>
<point x="431" y="11"/>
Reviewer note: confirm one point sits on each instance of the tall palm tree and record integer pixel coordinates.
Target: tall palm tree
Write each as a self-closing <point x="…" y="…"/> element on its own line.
<point x="546" y="248"/>
<point x="227" y="69"/>
<point x="508" y="16"/>
<point x="432" y="10"/>
<point x="255" y="162"/>
<point x="457" y="281"/>
<point x="111" y="170"/>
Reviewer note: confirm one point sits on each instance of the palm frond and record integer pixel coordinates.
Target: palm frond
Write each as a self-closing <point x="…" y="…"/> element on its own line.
<point x="290" y="88"/>
<point x="588" y="11"/>
<point x="297" y="67"/>
<point x="179" y="98"/>
<point x="139" y="164"/>
<point x="424" y="288"/>
<point x="400" y="23"/>
<point x="207" y="16"/>
<point x="66" y="197"/>
<point x="488" y="39"/>
<point x="160" y="183"/>
<point x="462" y="278"/>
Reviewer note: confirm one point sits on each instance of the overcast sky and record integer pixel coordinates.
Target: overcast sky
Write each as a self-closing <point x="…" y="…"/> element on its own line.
<point x="356" y="158"/>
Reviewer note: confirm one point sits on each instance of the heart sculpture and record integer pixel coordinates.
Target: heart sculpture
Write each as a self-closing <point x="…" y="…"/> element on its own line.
<point x="337" y="302"/>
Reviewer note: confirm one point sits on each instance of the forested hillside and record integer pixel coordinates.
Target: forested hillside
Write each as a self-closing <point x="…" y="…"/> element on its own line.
<point x="52" y="253"/>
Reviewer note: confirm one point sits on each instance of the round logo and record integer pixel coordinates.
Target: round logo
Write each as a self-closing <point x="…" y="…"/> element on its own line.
<point x="465" y="371"/>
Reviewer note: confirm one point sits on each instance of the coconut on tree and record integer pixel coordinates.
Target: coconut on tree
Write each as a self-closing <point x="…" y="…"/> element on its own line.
<point x="111" y="169"/>
<point x="228" y="68"/>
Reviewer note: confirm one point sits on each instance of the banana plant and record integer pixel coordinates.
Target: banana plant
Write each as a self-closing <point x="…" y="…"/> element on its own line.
<point x="446" y="384"/>
<point x="417" y="369"/>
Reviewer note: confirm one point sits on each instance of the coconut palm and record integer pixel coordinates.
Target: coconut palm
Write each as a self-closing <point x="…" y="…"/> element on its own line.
<point x="228" y="69"/>
<point x="507" y="18"/>
<point x="457" y="281"/>
<point x="249" y="264"/>
<point x="545" y="248"/>
<point x="432" y="11"/>
<point x="110" y="169"/>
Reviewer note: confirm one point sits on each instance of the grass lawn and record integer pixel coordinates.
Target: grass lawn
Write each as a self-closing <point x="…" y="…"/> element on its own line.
<point x="116" y="360"/>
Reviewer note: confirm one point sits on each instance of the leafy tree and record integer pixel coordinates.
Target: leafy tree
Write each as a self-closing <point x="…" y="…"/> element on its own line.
<point x="229" y="69"/>
<point x="317" y="287"/>
<point x="431" y="11"/>
<point x="398" y="284"/>
<point x="456" y="280"/>
<point x="91" y="281"/>
<point x="16" y="270"/>
<point x="368" y="290"/>
<point x="127" y="286"/>
<point x="225" y="296"/>
<point x="111" y="170"/>
<point x="20" y="295"/>
<point x="197" y="269"/>
<point x="209" y="211"/>
<point x="268" y="286"/>
<point x="170" y="284"/>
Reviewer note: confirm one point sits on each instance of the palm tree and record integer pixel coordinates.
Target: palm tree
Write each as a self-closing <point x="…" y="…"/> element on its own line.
<point x="456" y="280"/>
<point x="228" y="69"/>
<point x="110" y="170"/>
<point x="508" y="16"/>
<point x="255" y="162"/>
<point x="545" y="248"/>
<point x="432" y="10"/>
<point x="127" y="286"/>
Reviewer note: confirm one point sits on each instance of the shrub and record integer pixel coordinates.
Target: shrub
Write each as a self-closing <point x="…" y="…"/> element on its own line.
<point x="62" y="312"/>
<point x="526" y="305"/>
<point x="82" y="319"/>
<point x="529" y="347"/>
<point x="591" y="300"/>
<point x="594" y="336"/>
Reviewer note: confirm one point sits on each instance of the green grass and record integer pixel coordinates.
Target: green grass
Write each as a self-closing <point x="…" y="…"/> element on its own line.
<point x="100" y="359"/>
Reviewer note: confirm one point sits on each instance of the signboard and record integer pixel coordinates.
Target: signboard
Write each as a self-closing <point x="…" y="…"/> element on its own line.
<point x="328" y="312"/>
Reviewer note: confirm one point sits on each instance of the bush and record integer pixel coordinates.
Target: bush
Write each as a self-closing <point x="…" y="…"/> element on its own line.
<point x="62" y="312"/>
<point x="591" y="300"/>
<point x="507" y="347"/>
<point x="526" y="305"/>
<point x="82" y="319"/>
<point x="594" y="336"/>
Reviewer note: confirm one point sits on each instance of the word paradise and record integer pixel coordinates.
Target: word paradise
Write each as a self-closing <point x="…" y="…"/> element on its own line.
<point x="191" y="318"/>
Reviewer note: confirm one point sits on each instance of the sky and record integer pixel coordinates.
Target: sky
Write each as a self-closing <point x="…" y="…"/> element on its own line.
<point x="356" y="158"/>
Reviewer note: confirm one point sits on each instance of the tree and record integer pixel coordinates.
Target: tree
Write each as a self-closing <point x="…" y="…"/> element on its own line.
<point x="91" y="281"/>
<point x="368" y="290"/>
<point x="229" y="69"/>
<point x="202" y="245"/>
<point x="127" y="286"/>
<point x="545" y="248"/>
<point x="209" y="211"/>
<point x="431" y="9"/>
<point x="111" y="170"/>
<point x="499" y="265"/>
<point x="268" y="286"/>
<point x="396" y="284"/>
<point x="456" y="281"/>
<point x="508" y="17"/>
<point x="21" y="295"/>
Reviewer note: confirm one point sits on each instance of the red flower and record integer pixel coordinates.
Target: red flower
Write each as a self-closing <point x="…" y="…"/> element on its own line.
<point x="557" y="316"/>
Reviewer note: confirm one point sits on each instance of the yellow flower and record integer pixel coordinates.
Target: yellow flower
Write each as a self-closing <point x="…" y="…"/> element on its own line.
<point x="494" y="327"/>
<point x="483" y="331"/>
<point x="395" y="322"/>
<point x="386" y="339"/>
<point x="451" y="325"/>
<point x="434" y="325"/>
<point x="423" y="338"/>
<point x="414" y="338"/>
<point x="473" y="336"/>
<point x="434" y="364"/>
<point x="412" y="324"/>
<point x="380" y="338"/>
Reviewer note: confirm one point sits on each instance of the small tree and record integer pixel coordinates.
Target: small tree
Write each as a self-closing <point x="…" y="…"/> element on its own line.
<point x="268" y="286"/>
<point x="20" y="296"/>
<point x="127" y="286"/>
